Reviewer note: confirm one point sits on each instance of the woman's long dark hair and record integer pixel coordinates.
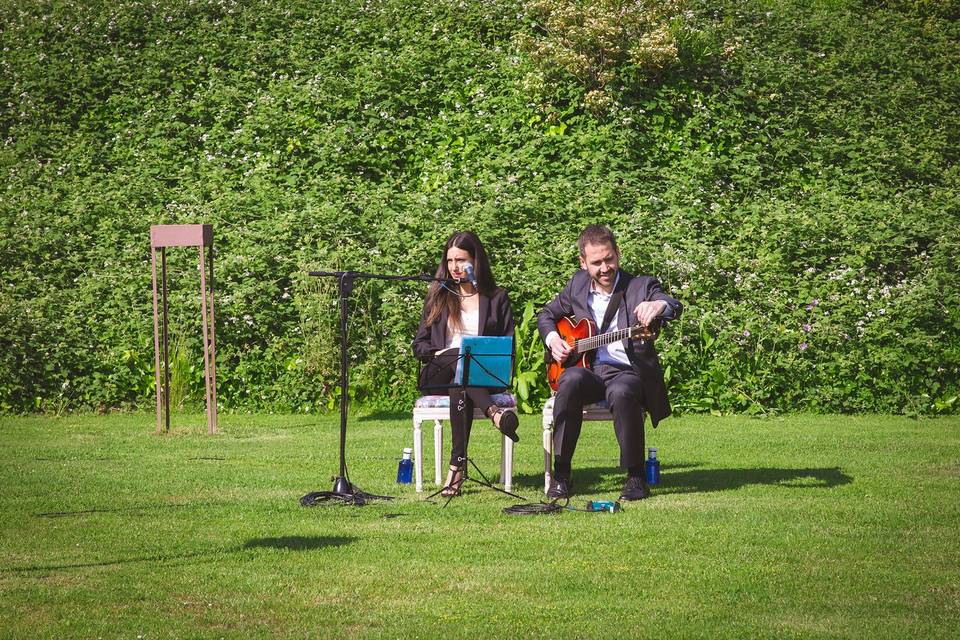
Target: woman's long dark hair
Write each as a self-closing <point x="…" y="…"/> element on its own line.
<point x="440" y="296"/>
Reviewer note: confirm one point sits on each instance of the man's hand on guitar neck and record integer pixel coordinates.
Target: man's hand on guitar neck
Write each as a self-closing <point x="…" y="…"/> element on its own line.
<point x="648" y="311"/>
<point x="559" y="348"/>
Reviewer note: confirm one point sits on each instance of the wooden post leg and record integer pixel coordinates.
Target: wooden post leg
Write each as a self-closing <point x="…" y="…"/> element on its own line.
<point x="166" y="338"/>
<point x="213" y="349"/>
<point x="206" y="340"/>
<point x="156" y="341"/>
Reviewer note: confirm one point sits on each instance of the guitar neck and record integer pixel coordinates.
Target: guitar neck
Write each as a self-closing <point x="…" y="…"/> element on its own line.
<point x="595" y="342"/>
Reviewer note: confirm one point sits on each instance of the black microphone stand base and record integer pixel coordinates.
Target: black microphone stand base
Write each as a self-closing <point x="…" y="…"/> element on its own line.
<point x="343" y="493"/>
<point x="342" y="485"/>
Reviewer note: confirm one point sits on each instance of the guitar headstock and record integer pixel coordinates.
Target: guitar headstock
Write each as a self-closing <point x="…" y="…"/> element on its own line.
<point x="645" y="333"/>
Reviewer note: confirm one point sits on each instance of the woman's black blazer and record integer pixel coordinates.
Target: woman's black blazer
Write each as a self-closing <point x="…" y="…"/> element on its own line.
<point x="495" y="319"/>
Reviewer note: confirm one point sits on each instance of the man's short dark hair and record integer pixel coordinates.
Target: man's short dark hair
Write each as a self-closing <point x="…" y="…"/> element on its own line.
<point x="596" y="234"/>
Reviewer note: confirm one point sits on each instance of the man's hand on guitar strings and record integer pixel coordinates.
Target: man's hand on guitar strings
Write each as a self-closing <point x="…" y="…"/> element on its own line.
<point x="649" y="310"/>
<point x="559" y="349"/>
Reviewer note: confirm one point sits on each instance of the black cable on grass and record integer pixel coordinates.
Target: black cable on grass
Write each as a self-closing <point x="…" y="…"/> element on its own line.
<point x="548" y="508"/>
<point x="540" y="508"/>
<point x="324" y="498"/>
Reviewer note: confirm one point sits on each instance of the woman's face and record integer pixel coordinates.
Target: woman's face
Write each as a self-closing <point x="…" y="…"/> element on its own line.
<point x="456" y="259"/>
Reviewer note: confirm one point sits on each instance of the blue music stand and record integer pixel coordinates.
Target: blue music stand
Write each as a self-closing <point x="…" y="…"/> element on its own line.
<point x="485" y="361"/>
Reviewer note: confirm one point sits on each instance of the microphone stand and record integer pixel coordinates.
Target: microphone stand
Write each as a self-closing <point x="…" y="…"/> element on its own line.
<point x="343" y="490"/>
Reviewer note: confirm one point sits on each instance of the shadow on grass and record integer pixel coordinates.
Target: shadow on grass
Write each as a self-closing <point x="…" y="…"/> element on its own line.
<point x="386" y="415"/>
<point x="298" y="543"/>
<point x="688" y="478"/>
<point x="133" y="509"/>
<point x="704" y="480"/>
<point x="293" y="543"/>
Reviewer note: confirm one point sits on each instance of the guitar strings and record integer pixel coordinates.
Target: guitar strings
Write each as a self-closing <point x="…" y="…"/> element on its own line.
<point x="593" y="342"/>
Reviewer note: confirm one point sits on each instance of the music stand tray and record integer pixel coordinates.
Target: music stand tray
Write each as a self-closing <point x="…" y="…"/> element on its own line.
<point x="487" y="362"/>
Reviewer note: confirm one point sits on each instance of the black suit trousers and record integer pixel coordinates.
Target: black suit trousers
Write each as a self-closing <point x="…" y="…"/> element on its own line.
<point x="621" y="387"/>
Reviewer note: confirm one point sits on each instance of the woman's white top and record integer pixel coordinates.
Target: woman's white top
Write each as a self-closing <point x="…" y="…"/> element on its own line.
<point x="471" y="327"/>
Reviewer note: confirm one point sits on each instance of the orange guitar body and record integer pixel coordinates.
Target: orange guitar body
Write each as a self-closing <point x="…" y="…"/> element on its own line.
<point x="570" y="331"/>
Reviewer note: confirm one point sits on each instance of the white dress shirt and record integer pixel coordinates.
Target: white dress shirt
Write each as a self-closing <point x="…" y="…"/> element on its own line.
<point x="598" y="301"/>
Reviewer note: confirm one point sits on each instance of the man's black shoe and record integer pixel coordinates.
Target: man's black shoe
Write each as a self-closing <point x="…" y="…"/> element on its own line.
<point x="635" y="488"/>
<point x="559" y="487"/>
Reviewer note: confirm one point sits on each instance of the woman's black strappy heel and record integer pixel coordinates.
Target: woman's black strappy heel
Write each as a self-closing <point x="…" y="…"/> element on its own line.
<point x="452" y="488"/>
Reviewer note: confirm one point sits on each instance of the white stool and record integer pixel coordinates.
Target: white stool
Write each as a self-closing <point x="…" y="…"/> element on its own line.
<point x="437" y="408"/>
<point x="596" y="411"/>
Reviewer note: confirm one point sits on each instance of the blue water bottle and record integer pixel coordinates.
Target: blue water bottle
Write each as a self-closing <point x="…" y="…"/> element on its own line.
<point x="653" y="467"/>
<point x="405" y="468"/>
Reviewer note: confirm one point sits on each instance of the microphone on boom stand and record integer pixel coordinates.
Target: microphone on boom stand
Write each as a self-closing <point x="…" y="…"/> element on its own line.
<point x="471" y="276"/>
<point x="344" y="492"/>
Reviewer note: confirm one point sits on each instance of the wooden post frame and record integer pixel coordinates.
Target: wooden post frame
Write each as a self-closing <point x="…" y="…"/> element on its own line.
<point x="183" y="235"/>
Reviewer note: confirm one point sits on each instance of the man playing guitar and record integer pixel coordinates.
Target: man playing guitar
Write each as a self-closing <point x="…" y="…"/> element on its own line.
<point x="622" y="368"/>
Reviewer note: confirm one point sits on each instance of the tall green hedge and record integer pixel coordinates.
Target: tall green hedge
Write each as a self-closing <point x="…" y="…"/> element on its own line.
<point x="793" y="180"/>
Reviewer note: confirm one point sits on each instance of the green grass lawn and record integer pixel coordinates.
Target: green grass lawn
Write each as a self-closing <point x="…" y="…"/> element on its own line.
<point x="805" y="526"/>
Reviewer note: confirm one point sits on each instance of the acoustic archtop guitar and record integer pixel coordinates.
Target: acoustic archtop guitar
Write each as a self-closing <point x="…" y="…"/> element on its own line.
<point x="582" y="336"/>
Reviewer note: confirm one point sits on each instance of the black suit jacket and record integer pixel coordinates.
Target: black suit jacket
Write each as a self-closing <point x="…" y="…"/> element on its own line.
<point x="495" y="319"/>
<point x="571" y="302"/>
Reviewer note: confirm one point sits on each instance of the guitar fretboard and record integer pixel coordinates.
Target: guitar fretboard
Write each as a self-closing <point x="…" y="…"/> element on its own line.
<point x="595" y="342"/>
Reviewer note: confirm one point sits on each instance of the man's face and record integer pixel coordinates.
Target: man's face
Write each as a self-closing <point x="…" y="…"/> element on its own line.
<point x="602" y="262"/>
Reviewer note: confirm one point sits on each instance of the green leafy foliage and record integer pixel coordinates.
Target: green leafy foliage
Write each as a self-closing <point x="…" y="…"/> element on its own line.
<point x="600" y="44"/>
<point x="791" y="177"/>
<point x="529" y="383"/>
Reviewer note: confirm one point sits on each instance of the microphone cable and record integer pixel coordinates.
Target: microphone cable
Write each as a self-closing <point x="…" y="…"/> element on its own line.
<point x="317" y="498"/>
<point x="443" y="284"/>
<point x="554" y="506"/>
<point x="356" y="499"/>
<point x="537" y="509"/>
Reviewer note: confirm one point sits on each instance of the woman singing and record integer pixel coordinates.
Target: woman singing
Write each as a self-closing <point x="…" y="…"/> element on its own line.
<point x="455" y="308"/>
